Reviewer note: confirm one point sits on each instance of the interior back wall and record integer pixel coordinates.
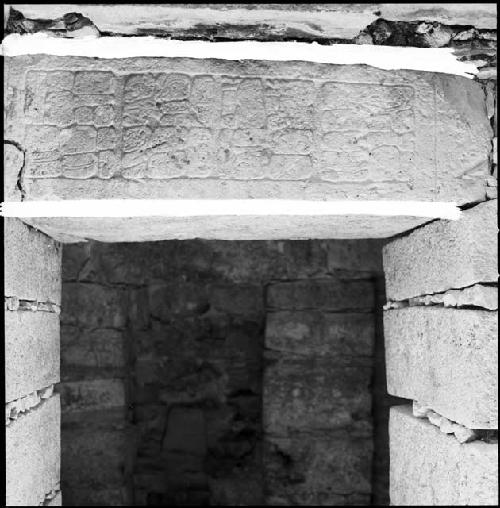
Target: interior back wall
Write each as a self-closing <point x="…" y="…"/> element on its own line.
<point x="164" y="349"/>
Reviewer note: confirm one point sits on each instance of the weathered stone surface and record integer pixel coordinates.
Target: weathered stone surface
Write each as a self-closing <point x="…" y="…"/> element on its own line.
<point x="316" y="394"/>
<point x="92" y="353"/>
<point x="55" y="501"/>
<point x="477" y="296"/>
<point x="32" y="263"/>
<point x="13" y="162"/>
<point x="307" y="333"/>
<point x="317" y="471"/>
<point x="321" y="294"/>
<point x="225" y="227"/>
<point x="444" y="255"/>
<point x="365" y="254"/>
<point x="240" y="121"/>
<point x="238" y="261"/>
<point x="33" y="455"/>
<point x="93" y="459"/>
<point x="92" y="395"/>
<point x="429" y="468"/>
<point x="31" y="352"/>
<point x="420" y="343"/>
<point x="255" y="21"/>
<point x="89" y="496"/>
<point x="93" y="306"/>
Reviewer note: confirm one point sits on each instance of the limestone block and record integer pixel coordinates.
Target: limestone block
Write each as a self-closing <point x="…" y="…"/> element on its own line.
<point x="33" y="455"/>
<point x="444" y="255"/>
<point x="93" y="306"/>
<point x="303" y="470"/>
<point x="93" y="458"/>
<point x="32" y="263"/>
<point x="429" y="468"/>
<point x="365" y="255"/>
<point x="89" y="496"/>
<point x="92" y="395"/>
<point x="224" y="227"/>
<point x="446" y="359"/>
<point x="307" y="394"/>
<point x="238" y="298"/>
<point x="31" y="352"/>
<point x="312" y="332"/>
<point x="351" y="131"/>
<point x="321" y="294"/>
<point x="92" y="353"/>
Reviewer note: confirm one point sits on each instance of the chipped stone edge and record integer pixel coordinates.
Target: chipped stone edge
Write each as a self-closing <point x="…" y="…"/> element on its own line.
<point x="51" y="495"/>
<point x="24" y="405"/>
<point x="12" y="303"/>
<point x="446" y="426"/>
<point x="467" y="297"/>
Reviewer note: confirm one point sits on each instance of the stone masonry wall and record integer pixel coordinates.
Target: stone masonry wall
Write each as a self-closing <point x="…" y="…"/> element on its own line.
<point x="199" y="323"/>
<point x="32" y="409"/>
<point x="441" y="332"/>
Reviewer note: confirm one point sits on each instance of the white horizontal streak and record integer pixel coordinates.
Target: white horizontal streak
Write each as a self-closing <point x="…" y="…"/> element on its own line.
<point x="226" y="207"/>
<point x="384" y="57"/>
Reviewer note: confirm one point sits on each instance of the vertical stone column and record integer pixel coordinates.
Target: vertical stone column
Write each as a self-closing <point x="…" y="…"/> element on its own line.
<point x="441" y="328"/>
<point x="32" y="412"/>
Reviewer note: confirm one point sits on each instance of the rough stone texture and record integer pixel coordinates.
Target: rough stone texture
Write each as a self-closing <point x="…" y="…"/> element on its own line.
<point x="305" y="332"/>
<point x="33" y="455"/>
<point x="94" y="306"/>
<point x="311" y="394"/>
<point x="13" y="162"/>
<point x="325" y="295"/>
<point x="316" y="398"/>
<point x="96" y="434"/>
<point x="478" y="295"/>
<point x="244" y="21"/>
<point x="324" y="471"/>
<point x="98" y="394"/>
<point x="444" y="255"/>
<point x="32" y="263"/>
<point x="429" y="468"/>
<point x="381" y="404"/>
<point x="420" y="343"/>
<point x="194" y="337"/>
<point x="55" y="501"/>
<point x="31" y="352"/>
<point x="225" y="227"/>
<point x="358" y="132"/>
<point x="102" y="456"/>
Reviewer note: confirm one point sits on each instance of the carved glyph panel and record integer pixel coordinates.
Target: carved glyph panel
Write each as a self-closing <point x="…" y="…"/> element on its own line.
<point x="102" y="124"/>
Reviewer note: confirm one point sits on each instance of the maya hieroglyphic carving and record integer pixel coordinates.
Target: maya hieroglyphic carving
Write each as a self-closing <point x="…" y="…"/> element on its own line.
<point x="85" y="124"/>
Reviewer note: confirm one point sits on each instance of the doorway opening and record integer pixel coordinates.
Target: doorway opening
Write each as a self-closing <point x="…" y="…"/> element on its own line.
<point x="223" y="373"/>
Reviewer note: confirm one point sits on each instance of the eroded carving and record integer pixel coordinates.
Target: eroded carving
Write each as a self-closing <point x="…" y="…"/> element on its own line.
<point x="98" y="124"/>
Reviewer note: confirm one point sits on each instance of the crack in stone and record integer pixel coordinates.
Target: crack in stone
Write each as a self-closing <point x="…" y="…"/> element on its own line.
<point x="13" y="303"/>
<point x="482" y="296"/>
<point x="20" y="175"/>
<point x="24" y="405"/>
<point x="50" y="496"/>
<point x="462" y="434"/>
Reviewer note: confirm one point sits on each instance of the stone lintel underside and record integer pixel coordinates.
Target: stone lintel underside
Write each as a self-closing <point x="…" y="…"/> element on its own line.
<point x="226" y="227"/>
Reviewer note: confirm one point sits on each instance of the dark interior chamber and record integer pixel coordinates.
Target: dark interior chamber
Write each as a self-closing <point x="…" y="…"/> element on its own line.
<point x="223" y="373"/>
